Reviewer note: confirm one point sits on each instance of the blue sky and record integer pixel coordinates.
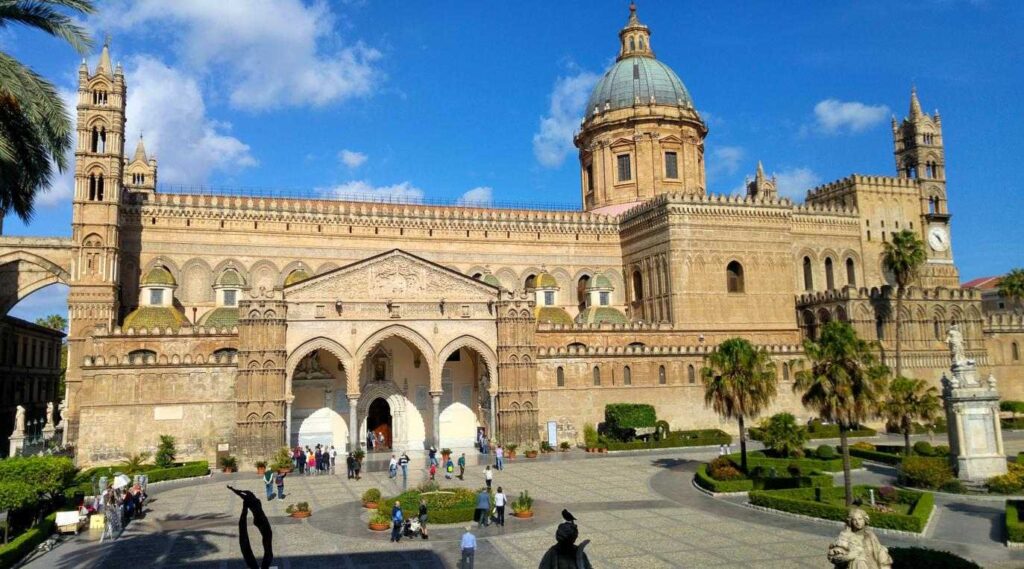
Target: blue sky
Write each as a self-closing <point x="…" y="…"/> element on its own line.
<point x="478" y="100"/>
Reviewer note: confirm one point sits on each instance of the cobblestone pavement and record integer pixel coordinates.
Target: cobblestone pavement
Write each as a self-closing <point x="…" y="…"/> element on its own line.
<point x="639" y="511"/>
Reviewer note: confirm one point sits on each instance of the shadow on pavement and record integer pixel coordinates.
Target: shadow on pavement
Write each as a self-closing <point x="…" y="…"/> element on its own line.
<point x="985" y="514"/>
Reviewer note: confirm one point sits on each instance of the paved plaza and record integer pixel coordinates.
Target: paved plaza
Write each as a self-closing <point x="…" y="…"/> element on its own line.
<point x="639" y="511"/>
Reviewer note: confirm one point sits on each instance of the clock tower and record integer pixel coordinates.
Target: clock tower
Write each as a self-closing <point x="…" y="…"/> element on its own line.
<point x="920" y="156"/>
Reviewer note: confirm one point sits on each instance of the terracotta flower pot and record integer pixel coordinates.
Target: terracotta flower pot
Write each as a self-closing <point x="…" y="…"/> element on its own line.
<point x="602" y="450"/>
<point x="227" y="470"/>
<point x="300" y="515"/>
<point x="523" y="515"/>
<point x="370" y="505"/>
<point x="379" y="527"/>
<point x="531" y="454"/>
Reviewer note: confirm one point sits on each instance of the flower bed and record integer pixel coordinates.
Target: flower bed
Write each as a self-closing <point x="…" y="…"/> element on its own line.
<point x="755" y="459"/>
<point x="702" y="437"/>
<point x="444" y="506"/>
<point x="704" y="479"/>
<point x="1014" y="527"/>
<point x="19" y="547"/>
<point x="910" y="509"/>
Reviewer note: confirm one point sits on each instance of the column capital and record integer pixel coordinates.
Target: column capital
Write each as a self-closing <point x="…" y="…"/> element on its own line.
<point x="436" y="395"/>
<point x="353" y="397"/>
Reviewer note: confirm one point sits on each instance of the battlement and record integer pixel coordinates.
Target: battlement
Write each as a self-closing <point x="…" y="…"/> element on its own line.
<point x="605" y="326"/>
<point x="843" y="185"/>
<point x="737" y="204"/>
<point x="183" y="331"/>
<point x="886" y="292"/>
<point x="1003" y="322"/>
<point x="602" y="351"/>
<point x="129" y="361"/>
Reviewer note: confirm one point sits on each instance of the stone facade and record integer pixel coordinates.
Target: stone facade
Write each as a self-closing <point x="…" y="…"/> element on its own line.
<point x="258" y="322"/>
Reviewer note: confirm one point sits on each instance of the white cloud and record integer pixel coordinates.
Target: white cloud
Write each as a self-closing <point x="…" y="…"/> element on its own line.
<point x="351" y="158"/>
<point x="480" y="197"/>
<point x="363" y="190"/>
<point x="726" y="159"/>
<point x="553" y="140"/>
<point x="836" y="117"/>
<point x="166" y="106"/>
<point x="794" y="182"/>
<point x="269" y="53"/>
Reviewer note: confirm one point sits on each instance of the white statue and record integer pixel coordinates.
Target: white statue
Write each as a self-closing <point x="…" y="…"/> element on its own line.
<point x="19" y="420"/>
<point x="49" y="413"/>
<point x="955" y="341"/>
<point x="857" y="547"/>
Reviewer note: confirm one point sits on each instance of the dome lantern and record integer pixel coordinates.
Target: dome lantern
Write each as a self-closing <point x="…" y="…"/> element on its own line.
<point x="635" y="38"/>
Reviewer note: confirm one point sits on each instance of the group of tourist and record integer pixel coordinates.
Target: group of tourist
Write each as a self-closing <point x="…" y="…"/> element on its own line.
<point x="375" y="441"/>
<point x="318" y="460"/>
<point x="118" y="506"/>
<point x="353" y="465"/>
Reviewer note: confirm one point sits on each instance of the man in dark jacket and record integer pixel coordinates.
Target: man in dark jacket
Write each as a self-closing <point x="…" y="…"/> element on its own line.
<point x="350" y="463"/>
<point x="565" y="554"/>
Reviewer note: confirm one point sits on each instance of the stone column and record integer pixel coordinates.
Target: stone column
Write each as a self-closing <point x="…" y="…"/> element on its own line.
<point x="998" y="430"/>
<point x="353" y="427"/>
<point x="435" y="397"/>
<point x="491" y="427"/>
<point x="288" y="420"/>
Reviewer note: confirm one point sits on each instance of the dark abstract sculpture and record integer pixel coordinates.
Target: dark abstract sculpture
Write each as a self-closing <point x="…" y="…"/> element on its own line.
<point x="565" y="554"/>
<point x="251" y="503"/>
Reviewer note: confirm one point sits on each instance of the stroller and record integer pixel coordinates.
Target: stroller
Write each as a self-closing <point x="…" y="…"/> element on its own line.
<point x="411" y="528"/>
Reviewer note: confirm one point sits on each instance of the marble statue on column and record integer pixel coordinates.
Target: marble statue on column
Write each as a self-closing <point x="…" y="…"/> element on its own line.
<point x="955" y="341"/>
<point x="857" y="547"/>
<point x="17" y="439"/>
<point x="49" y="430"/>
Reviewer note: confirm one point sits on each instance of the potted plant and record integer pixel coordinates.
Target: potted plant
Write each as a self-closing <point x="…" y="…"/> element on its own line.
<point x="380" y="521"/>
<point x="522" y="507"/>
<point x="370" y="498"/>
<point x="359" y="455"/>
<point x="261" y="467"/>
<point x="546" y="447"/>
<point x="531" y="452"/>
<point x="228" y="464"/>
<point x="565" y="446"/>
<point x="300" y="510"/>
<point x="510" y="450"/>
<point x="589" y="438"/>
<point x="282" y="461"/>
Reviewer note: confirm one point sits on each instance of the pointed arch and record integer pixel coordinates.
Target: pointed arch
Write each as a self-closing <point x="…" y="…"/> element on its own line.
<point x="486" y="353"/>
<point x="405" y="333"/>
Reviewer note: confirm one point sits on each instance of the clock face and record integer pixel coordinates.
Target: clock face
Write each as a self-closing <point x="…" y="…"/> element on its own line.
<point x="938" y="239"/>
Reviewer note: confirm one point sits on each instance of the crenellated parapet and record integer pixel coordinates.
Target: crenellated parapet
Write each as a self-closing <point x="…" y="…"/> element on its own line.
<point x="843" y="186"/>
<point x="136" y="360"/>
<point x="1004" y="322"/>
<point x="184" y="331"/>
<point x="654" y="351"/>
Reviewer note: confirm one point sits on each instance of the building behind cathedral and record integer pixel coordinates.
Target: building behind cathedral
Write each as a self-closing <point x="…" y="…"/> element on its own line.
<point x="258" y="322"/>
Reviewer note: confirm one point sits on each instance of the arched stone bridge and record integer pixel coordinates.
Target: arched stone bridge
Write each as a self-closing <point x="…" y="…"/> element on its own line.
<point x="28" y="264"/>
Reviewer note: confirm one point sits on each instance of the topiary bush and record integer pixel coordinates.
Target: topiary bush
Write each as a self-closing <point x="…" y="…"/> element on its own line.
<point x="918" y="557"/>
<point x="371" y="495"/>
<point x="1009" y="483"/>
<point x="622" y="419"/>
<point x="165" y="452"/>
<point x="825" y="452"/>
<point x="704" y="480"/>
<point x="863" y="445"/>
<point x="924" y="448"/>
<point x="924" y="472"/>
<point x="722" y="469"/>
<point x="14" y="551"/>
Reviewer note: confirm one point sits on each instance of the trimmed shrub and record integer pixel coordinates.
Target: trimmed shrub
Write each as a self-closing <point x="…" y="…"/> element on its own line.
<point x="876" y="456"/>
<point x="622" y="419"/>
<point x="445" y="506"/>
<point x="371" y="495"/>
<point x="923" y="448"/>
<point x="661" y="430"/>
<point x="757" y="458"/>
<point x="701" y="437"/>
<point x="954" y="486"/>
<point x="1012" y="406"/>
<point x="794" y="469"/>
<point x="825" y="452"/>
<point x="22" y="545"/>
<point x="1009" y="483"/>
<point x="917" y="557"/>
<point x="1014" y="527"/>
<point x="862" y="445"/>
<point x="924" y="472"/>
<point x="186" y="470"/>
<point x="722" y="469"/>
<point x="165" y="452"/>
<point x="704" y="480"/>
<point x="1015" y="424"/>
<point x="802" y="501"/>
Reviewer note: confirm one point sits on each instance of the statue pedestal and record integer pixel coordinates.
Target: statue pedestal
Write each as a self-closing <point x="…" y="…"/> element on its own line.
<point x="17" y="441"/>
<point x="972" y="413"/>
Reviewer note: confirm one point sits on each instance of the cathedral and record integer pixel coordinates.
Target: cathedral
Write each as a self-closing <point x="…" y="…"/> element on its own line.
<point x="243" y="324"/>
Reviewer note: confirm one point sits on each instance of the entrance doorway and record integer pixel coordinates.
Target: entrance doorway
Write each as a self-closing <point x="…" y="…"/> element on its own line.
<point x="378" y="422"/>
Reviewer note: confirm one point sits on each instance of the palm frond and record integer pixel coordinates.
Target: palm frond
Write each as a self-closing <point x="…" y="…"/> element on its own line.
<point x="44" y="15"/>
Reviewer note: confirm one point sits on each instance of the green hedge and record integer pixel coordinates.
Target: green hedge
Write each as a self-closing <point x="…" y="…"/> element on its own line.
<point x="1012" y="406"/>
<point x="22" y="545"/>
<point x="702" y="437"/>
<point x="758" y="458"/>
<point x="629" y="415"/>
<point x="876" y="456"/>
<point x="817" y="431"/>
<point x="801" y="501"/>
<point x="448" y="506"/>
<point x="917" y="557"/>
<point x="704" y="480"/>
<point x="1014" y="527"/>
<point x="83" y="483"/>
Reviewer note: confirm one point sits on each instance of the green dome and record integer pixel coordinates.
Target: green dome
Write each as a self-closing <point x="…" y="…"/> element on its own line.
<point x="545" y="280"/>
<point x="552" y="315"/>
<point x="491" y="280"/>
<point x="230" y="278"/>
<point x="599" y="282"/>
<point x="152" y="317"/>
<point x="638" y="78"/>
<point x="600" y="315"/>
<point x="296" y="276"/>
<point x="158" y="276"/>
<point x="223" y="317"/>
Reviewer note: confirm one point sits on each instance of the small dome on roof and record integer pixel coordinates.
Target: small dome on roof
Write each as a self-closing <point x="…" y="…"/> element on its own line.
<point x="600" y="315"/>
<point x="295" y="277"/>
<point x="230" y="278"/>
<point x="223" y="317"/>
<point x="552" y="315"/>
<point x="491" y="280"/>
<point x="152" y="317"/>
<point x="545" y="280"/>
<point x="158" y="276"/>
<point x="600" y="282"/>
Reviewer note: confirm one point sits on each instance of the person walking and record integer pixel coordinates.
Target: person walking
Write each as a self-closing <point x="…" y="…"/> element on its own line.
<point x="380" y="441"/>
<point x="350" y="463"/>
<point x="483" y="508"/>
<point x="297" y="459"/>
<point x="318" y="459"/>
<point x="393" y="467"/>
<point x="396" y="522"/>
<point x="433" y="470"/>
<point x="334" y="458"/>
<point x="310" y="462"/>
<point x="462" y="466"/>
<point x="403" y="462"/>
<point x="449" y="469"/>
<point x="488" y="477"/>
<point x="358" y="466"/>
<point x="433" y="455"/>
<point x="423" y="518"/>
<point x="268" y="481"/>
<point x="302" y="460"/>
<point x="468" y="545"/>
<point x="499" y="457"/>
<point x="279" y="481"/>
<point x="499" y="507"/>
<point x="369" y="440"/>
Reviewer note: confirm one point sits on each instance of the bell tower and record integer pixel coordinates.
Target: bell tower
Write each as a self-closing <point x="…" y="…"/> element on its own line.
<point x="93" y="299"/>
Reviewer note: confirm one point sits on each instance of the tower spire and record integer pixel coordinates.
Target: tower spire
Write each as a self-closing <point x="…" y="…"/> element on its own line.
<point x="760" y="171"/>
<point x="915" y="105"/>
<point x="105" y="67"/>
<point x="140" y="151"/>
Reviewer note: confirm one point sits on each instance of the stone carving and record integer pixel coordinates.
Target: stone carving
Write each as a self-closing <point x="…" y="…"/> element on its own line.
<point x="49" y="413"/>
<point x="857" y="547"/>
<point x="19" y="420"/>
<point x="955" y="341"/>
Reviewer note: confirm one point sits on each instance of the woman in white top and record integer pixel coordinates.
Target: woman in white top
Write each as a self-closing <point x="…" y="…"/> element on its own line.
<point x="488" y="476"/>
<point x="499" y="505"/>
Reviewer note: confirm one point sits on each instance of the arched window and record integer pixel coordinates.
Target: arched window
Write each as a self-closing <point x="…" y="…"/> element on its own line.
<point x="597" y="375"/>
<point x="851" y="272"/>
<point x="937" y="328"/>
<point x="577" y="346"/>
<point x="632" y="45"/>
<point x="627" y="376"/>
<point x="581" y="291"/>
<point x="1015" y="351"/>
<point x="96" y="187"/>
<point x="642" y="44"/>
<point x="691" y="374"/>
<point x="560" y="376"/>
<point x="830" y="281"/>
<point x="224" y="355"/>
<point x="530" y="283"/>
<point x="734" y="277"/>
<point x="638" y="286"/>
<point x="810" y="325"/>
<point x="141" y="356"/>
<point x="785" y="371"/>
<point x="661" y="375"/>
<point x="95" y="144"/>
<point x="808" y="277"/>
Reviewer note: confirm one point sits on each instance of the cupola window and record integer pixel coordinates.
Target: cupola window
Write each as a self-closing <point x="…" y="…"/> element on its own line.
<point x="671" y="165"/>
<point x="156" y="296"/>
<point x="624" y="170"/>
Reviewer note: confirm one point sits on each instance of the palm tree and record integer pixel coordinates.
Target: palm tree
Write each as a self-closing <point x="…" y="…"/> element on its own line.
<point x="54" y="322"/>
<point x="845" y="383"/>
<point x="35" y="130"/>
<point x="903" y="257"/>
<point x="134" y="463"/>
<point x="910" y="399"/>
<point x="1011" y="286"/>
<point x="739" y="381"/>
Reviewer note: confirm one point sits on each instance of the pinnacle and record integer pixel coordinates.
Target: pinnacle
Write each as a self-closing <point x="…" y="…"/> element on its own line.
<point x="915" y="105"/>
<point x="140" y="151"/>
